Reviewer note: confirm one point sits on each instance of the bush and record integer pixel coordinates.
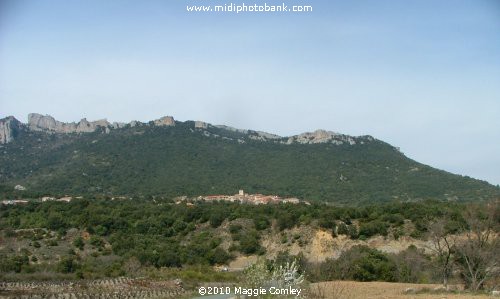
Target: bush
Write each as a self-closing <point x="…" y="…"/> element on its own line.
<point x="168" y="257"/>
<point x="235" y="228"/>
<point x="285" y="221"/>
<point x="373" y="228"/>
<point x="79" y="243"/>
<point x="261" y="223"/>
<point x="96" y="241"/>
<point x="219" y="256"/>
<point x="14" y="263"/>
<point x="342" y="229"/>
<point x="352" y="231"/>
<point x="56" y="222"/>
<point x="249" y="243"/>
<point x="67" y="265"/>
<point x="217" y="218"/>
<point x="359" y="263"/>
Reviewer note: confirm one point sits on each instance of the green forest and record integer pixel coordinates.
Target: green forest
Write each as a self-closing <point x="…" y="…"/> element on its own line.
<point x="109" y="238"/>
<point x="148" y="162"/>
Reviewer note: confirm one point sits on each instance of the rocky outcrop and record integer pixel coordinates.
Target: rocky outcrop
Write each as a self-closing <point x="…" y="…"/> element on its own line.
<point x="38" y="122"/>
<point x="262" y="136"/>
<point x="256" y="135"/>
<point x="134" y="123"/>
<point x="118" y="125"/>
<point x="165" y="121"/>
<point x="318" y="136"/>
<point x="200" y="125"/>
<point x="9" y="128"/>
<point x="322" y="136"/>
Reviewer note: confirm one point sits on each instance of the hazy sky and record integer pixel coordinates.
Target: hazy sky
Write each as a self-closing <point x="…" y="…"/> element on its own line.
<point x="421" y="75"/>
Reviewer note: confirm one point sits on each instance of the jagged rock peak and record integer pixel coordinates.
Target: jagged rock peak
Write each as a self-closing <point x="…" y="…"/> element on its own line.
<point x="165" y="121"/>
<point x="9" y="127"/>
<point x="38" y="122"/>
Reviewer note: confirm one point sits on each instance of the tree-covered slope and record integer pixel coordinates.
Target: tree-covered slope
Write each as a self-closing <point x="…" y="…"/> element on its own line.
<point x="180" y="160"/>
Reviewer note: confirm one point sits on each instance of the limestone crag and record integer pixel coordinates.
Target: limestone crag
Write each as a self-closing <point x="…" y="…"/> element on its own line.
<point x="322" y="136"/>
<point x="118" y="125"/>
<point x="200" y="125"/>
<point x="9" y="128"/>
<point x="134" y="123"/>
<point x="38" y="122"/>
<point x="165" y="121"/>
<point x="318" y="136"/>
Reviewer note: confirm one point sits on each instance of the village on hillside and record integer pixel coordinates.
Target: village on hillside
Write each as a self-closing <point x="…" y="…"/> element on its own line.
<point x="242" y="197"/>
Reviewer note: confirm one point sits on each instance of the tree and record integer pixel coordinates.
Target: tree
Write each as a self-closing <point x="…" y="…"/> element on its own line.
<point x="477" y="252"/>
<point x="441" y="245"/>
<point x="412" y="265"/>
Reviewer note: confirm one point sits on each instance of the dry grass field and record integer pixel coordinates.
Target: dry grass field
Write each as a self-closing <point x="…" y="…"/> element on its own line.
<point x="385" y="290"/>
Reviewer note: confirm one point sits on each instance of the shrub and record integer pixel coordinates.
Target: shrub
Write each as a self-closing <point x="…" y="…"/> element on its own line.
<point x="96" y="241"/>
<point x="79" y="243"/>
<point x="261" y="222"/>
<point x="249" y="243"/>
<point x="219" y="256"/>
<point x="235" y="228"/>
<point x="67" y="265"/>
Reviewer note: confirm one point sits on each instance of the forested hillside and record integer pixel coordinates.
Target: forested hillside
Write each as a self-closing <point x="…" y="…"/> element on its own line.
<point x="148" y="160"/>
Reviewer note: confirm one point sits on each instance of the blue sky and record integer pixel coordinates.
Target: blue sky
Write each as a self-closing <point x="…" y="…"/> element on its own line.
<point x="421" y="75"/>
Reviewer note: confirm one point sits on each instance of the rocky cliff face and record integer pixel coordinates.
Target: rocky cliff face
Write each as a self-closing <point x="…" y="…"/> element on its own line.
<point x="165" y="121"/>
<point x="38" y="122"/>
<point x="9" y="128"/>
<point x="200" y="125"/>
<point x="322" y="136"/>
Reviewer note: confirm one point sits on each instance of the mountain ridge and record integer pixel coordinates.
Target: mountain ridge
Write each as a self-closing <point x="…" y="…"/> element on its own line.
<point x="47" y="123"/>
<point x="169" y="158"/>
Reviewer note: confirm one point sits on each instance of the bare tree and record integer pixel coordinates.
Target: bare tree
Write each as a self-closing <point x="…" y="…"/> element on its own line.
<point x="411" y="263"/>
<point x="442" y="246"/>
<point x="478" y="251"/>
